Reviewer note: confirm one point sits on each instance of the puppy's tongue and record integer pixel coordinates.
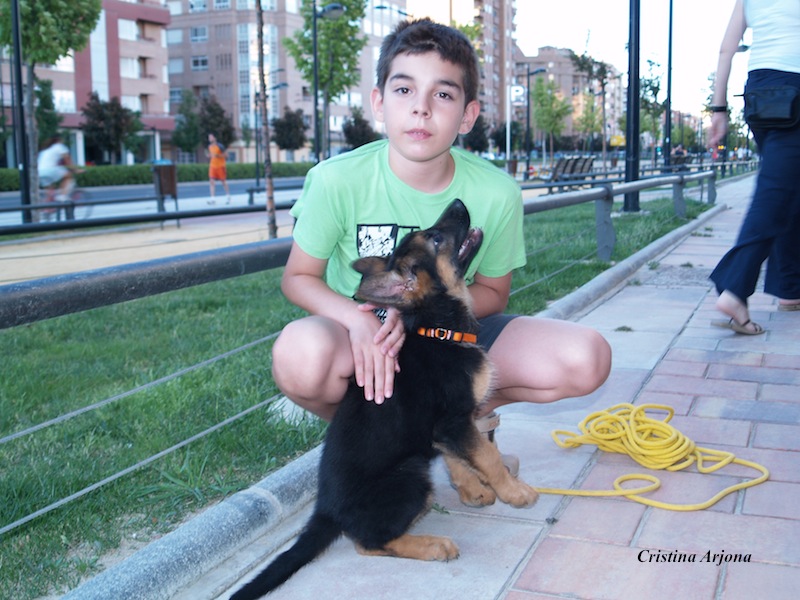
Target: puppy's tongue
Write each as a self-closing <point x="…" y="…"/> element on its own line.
<point x="474" y="237"/>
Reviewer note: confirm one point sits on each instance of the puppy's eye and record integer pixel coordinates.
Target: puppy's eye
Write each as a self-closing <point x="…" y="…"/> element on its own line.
<point x="436" y="238"/>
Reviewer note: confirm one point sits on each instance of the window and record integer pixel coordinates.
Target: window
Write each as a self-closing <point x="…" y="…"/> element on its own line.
<point x="131" y="102"/>
<point x="174" y="36"/>
<point x="175" y="7"/>
<point x="128" y="67"/>
<point x="64" y="101"/>
<point x="175" y="66"/>
<point x="198" y="6"/>
<point x="222" y="4"/>
<point x="199" y="34"/>
<point x="175" y="95"/>
<point x="127" y="29"/>
<point x="200" y="63"/>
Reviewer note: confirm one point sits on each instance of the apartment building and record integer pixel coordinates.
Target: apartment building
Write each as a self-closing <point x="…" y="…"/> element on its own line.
<point x="126" y="58"/>
<point x="495" y="45"/>
<point x="573" y="86"/>
<point x="213" y="51"/>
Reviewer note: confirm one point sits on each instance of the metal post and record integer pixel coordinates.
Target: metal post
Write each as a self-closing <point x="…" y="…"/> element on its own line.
<point x="631" y="203"/>
<point x="258" y="141"/>
<point x="667" y="147"/>
<point x="316" y="78"/>
<point x="19" y="114"/>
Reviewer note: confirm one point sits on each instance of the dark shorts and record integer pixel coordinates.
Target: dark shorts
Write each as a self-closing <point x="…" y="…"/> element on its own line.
<point x="491" y="327"/>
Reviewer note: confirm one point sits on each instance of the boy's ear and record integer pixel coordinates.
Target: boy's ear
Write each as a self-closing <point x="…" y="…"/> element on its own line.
<point x="471" y="112"/>
<point x="376" y="99"/>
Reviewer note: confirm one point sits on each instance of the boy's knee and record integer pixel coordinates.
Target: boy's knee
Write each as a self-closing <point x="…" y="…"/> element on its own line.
<point x="592" y="362"/>
<point x="300" y="358"/>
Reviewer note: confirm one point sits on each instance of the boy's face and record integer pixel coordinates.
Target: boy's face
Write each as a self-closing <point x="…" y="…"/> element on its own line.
<point x="423" y="106"/>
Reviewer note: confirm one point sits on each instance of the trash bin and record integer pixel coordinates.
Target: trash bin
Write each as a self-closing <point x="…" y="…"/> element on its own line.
<point x="165" y="178"/>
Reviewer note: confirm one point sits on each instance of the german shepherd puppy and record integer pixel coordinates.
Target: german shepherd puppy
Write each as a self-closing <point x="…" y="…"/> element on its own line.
<point x="374" y="474"/>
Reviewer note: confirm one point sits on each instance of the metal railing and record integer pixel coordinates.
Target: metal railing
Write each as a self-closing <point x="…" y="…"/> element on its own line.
<point x="31" y="301"/>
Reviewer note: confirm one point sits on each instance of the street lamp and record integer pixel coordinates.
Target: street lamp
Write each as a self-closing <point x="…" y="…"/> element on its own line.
<point x="400" y="11"/>
<point x="526" y="176"/>
<point x="330" y="11"/>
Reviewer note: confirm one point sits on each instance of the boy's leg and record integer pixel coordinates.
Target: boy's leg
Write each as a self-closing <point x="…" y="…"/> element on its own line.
<point x="312" y="364"/>
<point x="543" y="360"/>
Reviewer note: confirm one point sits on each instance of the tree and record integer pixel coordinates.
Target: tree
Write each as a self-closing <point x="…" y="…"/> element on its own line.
<point x="48" y="121"/>
<point x="588" y="122"/>
<point x="357" y="130"/>
<point x="477" y="139"/>
<point x="498" y="137"/>
<point x="108" y="126"/>
<point x="339" y="45"/>
<point x="50" y="29"/>
<point x="212" y="119"/>
<point x="290" y="130"/>
<point x="598" y="71"/>
<point x="549" y="109"/>
<point x="652" y="108"/>
<point x="187" y="135"/>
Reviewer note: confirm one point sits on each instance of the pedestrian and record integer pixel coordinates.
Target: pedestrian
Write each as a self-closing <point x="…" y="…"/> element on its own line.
<point x="216" y="168"/>
<point x="426" y="94"/>
<point x="771" y="228"/>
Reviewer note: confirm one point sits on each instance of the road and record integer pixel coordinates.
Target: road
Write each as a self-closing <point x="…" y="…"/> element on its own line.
<point x="191" y="196"/>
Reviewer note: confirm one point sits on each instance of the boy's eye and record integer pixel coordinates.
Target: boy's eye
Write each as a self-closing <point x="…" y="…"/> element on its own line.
<point x="402" y="90"/>
<point x="444" y="95"/>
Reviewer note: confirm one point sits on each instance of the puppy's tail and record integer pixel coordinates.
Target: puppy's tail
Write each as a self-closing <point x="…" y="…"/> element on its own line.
<point x="319" y="533"/>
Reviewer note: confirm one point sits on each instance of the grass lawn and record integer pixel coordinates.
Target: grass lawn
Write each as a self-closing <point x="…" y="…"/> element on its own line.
<point x="208" y="351"/>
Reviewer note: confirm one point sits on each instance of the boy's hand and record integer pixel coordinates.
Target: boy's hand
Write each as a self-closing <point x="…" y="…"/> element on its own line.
<point x="375" y="350"/>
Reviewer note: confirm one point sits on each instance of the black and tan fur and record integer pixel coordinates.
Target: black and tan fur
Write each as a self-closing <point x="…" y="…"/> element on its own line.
<point x="374" y="476"/>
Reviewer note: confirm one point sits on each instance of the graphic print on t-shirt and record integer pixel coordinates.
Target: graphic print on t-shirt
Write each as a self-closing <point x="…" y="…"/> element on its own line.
<point x="380" y="240"/>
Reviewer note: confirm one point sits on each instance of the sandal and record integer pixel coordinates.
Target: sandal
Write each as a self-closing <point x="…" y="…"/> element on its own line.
<point x="740" y="328"/>
<point x="486" y="426"/>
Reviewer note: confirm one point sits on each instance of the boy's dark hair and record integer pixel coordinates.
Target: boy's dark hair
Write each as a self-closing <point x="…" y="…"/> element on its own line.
<point x="424" y="35"/>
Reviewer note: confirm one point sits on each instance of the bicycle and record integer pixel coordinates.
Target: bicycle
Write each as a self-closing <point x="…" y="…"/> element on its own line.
<point x="78" y="204"/>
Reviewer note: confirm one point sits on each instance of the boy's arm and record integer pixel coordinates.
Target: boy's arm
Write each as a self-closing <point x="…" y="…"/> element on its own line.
<point x="304" y="286"/>
<point x="489" y="294"/>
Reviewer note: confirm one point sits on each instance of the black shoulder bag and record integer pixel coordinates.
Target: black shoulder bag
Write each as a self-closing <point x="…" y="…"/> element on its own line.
<point x="772" y="107"/>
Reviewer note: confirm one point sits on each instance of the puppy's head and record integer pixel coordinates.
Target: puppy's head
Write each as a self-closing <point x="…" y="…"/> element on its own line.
<point x="426" y="263"/>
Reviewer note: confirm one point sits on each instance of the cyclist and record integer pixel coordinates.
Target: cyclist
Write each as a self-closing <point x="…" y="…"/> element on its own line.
<point x="55" y="169"/>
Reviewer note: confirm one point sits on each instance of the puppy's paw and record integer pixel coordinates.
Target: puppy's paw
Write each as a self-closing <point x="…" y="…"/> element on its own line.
<point x="473" y="493"/>
<point x="518" y="494"/>
<point x="438" y="548"/>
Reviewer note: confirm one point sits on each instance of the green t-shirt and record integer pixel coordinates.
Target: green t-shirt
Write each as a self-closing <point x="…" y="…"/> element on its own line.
<point x="353" y="205"/>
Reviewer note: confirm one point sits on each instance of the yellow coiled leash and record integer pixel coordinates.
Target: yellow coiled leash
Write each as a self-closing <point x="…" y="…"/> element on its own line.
<point x="626" y="429"/>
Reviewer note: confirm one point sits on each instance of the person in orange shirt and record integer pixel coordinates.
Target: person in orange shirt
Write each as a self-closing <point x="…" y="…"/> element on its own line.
<point x="216" y="167"/>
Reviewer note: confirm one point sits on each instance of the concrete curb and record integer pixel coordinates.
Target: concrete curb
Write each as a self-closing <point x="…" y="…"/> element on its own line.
<point x="164" y="567"/>
<point x="161" y="569"/>
<point x="604" y="283"/>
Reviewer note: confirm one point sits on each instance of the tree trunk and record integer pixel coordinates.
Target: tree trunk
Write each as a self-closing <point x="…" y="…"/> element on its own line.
<point x="269" y="184"/>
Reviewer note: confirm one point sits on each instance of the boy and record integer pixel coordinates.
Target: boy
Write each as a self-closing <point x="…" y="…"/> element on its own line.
<point x="363" y="202"/>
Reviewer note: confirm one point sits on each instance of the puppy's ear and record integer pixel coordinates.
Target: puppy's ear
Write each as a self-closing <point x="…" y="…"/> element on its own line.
<point x="369" y="265"/>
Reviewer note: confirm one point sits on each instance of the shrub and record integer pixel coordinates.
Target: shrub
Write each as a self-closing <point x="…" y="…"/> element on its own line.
<point x="115" y="175"/>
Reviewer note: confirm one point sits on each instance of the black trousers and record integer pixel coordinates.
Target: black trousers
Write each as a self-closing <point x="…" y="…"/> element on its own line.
<point x="771" y="229"/>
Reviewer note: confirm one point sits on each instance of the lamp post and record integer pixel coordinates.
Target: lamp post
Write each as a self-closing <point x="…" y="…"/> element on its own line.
<point x="528" y="136"/>
<point x="330" y="11"/>
<point x="667" y="147"/>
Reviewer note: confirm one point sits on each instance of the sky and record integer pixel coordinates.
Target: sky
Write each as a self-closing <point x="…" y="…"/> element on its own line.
<point x="600" y="28"/>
